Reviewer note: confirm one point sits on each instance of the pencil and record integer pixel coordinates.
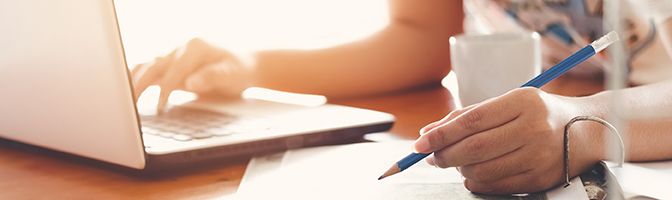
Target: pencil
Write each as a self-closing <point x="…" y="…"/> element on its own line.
<point x="538" y="81"/>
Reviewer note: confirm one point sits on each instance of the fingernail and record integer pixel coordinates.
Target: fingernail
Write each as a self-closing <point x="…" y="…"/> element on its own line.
<point x="426" y="129"/>
<point x="422" y="145"/>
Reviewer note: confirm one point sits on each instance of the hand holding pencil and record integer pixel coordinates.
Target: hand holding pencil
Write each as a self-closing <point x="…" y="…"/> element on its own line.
<point x="513" y="143"/>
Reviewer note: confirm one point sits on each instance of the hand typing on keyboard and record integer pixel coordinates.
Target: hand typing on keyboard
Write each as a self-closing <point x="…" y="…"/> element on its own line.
<point x="196" y="67"/>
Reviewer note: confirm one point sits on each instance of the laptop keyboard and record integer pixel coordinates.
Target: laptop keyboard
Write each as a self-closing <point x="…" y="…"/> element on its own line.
<point x="185" y="124"/>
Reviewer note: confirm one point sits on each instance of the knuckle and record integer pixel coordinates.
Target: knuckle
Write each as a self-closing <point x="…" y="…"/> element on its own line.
<point x="524" y="91"/>
<point x="527" y="93"/>
<point x="457" y="112"/>
<point x="469" y="120"/>
<point x="453" y="114"/>
<point x="195" y="46"/>
<point x="473" y="146"/>
<point x="437" y="139"/>
<point x="196" y="42"/>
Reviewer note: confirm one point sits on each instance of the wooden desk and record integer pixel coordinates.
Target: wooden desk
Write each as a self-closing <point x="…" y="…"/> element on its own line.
<point x="39" y="174"/>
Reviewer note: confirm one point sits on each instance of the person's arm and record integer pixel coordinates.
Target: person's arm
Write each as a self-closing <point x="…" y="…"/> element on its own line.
<point x="514" y="143"/>
<point x="411" y="51"/>
<point x="648" y="112"/>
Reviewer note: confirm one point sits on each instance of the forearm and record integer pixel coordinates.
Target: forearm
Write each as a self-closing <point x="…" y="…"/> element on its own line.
<point x="398" y="57"/>
<point x="413" y="50"/>
<point x="647" y="121"/>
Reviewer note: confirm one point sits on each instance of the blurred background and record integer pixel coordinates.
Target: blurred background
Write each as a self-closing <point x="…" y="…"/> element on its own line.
<point x="152" y="28"/>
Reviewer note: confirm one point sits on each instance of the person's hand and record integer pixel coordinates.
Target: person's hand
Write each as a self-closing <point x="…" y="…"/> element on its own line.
<point x="513" y="143"/>
<point x="196" y="67"/>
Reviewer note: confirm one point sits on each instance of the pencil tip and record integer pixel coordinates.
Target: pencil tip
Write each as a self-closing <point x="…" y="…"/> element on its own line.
<point x="393" y="170"/>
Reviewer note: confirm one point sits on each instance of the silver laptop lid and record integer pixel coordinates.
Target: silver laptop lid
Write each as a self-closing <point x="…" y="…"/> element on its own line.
<point x="63" y="80"/>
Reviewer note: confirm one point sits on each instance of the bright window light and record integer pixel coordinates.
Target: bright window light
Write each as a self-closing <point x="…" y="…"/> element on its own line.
<point x="152" y="28"/>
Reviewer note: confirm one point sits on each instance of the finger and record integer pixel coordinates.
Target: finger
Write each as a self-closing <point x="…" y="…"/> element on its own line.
<point x="445" y="119"/>
<point x="193" y="55"/>
<point x="138" y="69"/>
<point x="519" y="184"/>
<point x="480" y="147"/>
<point x="204" y="78"/>
<point x="149" y="73"/>
<point x="163" y="100"/>
<point x="431" y="160"/>
<point x="485" y="116"/>
<point x="507" y="165"/>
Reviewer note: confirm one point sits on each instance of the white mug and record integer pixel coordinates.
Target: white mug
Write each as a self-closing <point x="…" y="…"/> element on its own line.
<point x="487" y="66"/>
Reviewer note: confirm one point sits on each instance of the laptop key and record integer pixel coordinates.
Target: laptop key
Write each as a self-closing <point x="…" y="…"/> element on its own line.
<point x="185" y="124"/>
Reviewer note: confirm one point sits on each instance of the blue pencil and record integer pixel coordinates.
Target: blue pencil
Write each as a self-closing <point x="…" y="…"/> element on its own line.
<point x="543" y="78"/>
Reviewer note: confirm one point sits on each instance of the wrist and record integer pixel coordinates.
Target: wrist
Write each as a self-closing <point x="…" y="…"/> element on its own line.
<point x="239" y="74"/>
<point x="242" y="79"/>
<point x="245" y="69"/>
<point x="591" y="136"/>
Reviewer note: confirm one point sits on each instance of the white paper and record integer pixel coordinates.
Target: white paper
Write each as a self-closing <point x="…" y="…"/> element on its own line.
<point x="574" y="191"/>
<point x="351" y="172"/>
<point x="645" y="179"/>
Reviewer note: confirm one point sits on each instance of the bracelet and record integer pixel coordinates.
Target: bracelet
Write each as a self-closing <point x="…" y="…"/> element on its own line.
<point x="612" y="130"/>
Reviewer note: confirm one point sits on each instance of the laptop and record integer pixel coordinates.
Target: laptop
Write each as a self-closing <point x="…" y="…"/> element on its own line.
<point x="65" y="86"/>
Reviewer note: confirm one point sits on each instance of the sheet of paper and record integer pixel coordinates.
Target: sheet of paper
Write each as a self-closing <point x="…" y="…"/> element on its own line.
<point x="645" y="179"/>
<point x="351" y="172"/>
